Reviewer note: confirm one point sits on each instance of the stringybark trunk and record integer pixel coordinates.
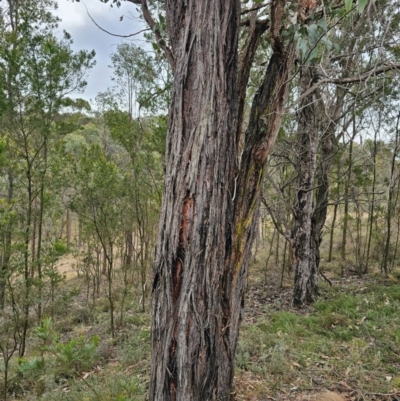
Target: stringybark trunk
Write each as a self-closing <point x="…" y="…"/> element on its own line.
<point x="192" y="354"/>
<point x="324" y="168"/>
<point x="312" y="117"/>
<point x="304" y="244"/>
<point x="210" y="203"/>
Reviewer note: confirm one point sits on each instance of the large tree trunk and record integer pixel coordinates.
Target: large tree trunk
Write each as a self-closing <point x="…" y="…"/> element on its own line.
<point x="210" y="203"/>
<point x="192" y="355"/>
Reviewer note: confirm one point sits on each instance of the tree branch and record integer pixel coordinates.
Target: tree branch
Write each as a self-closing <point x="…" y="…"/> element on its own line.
<point x="246" y="61"/>
<point x="260" y="22"/>
<point x="248" y="10"/>
<point x="274" y="220"/>
<point x="152" y="24"/>
<point x="110" y="33"/>
<point x="277" y="12"/>
<point x="349" y="80"/>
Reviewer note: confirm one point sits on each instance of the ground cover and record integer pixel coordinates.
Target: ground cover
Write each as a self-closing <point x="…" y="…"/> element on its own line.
<point x="348" y="342"/>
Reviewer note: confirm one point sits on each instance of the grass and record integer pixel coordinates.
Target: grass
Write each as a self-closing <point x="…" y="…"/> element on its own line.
<point x="119" y="372"/>
<point x="350" y="339"/>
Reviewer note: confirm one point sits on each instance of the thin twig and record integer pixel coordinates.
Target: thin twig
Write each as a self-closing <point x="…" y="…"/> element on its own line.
<point x="110" y="33"/>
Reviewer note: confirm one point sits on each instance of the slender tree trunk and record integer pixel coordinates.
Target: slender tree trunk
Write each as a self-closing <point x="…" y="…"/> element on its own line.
<point x="39" y="250"/>
<point x="372" y="208"/>
<point x="210" y="202"/>
<point x="104" y="266"/>
<point x="324" y="168"/>
<point x="110" y="292"/>
<point x="7" y="242"/>
<point x="277" y="249"/>
<point x="346" y="203"/>
<point x="395" y="208"/>
<point x="128" y="249"/>
<point x="79" y="233"/>
<point x="27" y="277"/>
<point x="397" y="238"/>
<point x="332" y="230"/>
<point x="97" y="273"/>
<point x="69" y="226"/>
<point x="33" y="239"/>
<point x="283" y="264"/>
<point x="390" y="206"/>
<point x="359" y="259"/>
<point x="304" y="247"/>
<point x="40" y="229"/>
<point x="269" y="254"/>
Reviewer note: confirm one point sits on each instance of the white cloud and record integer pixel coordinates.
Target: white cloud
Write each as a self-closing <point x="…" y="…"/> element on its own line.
<point x="70" y="14"/>
<point x="86" y="35"/>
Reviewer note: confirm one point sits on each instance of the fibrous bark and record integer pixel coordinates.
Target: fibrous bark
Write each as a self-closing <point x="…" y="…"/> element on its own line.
<point x="210" y="199"/>
<point x="303" y="238"/>
<point x="191" y="352"/>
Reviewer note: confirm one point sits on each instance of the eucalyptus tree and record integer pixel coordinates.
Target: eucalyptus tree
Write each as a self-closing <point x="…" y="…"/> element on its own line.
<point x="214" y="169"/>
<point x="140" y="84"/>
<point x="40" y="71"/>
<point x="143" y="180"/>
<point x="100" y="201"/>
<point x="212" y="184"/>
<point x="141" y="87"/>
<point x="331" y="84"/>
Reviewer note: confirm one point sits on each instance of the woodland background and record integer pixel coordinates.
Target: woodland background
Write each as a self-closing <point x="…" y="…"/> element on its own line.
<point x="80" y="193"/>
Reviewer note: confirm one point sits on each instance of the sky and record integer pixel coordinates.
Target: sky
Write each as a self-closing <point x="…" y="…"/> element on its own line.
<point x="87" y="36"/>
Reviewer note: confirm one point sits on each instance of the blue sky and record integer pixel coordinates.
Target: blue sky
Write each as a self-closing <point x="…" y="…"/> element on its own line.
<point x="86" y="35"/>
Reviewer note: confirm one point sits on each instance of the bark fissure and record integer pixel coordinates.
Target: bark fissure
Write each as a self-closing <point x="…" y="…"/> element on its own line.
<point x="210" y="203"/>
<point x="303" y="238"/>
<point x="189" y="262"/>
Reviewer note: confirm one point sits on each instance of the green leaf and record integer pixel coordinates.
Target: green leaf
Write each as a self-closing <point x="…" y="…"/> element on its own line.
<point x="314" y="55"/>
<point x="302" y="47"/>
<point x="361" y="5"/>
<point x="313" y="33"/>
<point x="303" y="31"/>
<point x="95" y="340"/>
<point x="322" y="24"/>
<point x="348" y="4"/>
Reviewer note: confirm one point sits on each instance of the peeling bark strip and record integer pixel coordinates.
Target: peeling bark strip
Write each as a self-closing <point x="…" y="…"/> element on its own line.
<point x="265" y="121"/>
<point x="209" y="202"/>
<point x="184" y="237"/>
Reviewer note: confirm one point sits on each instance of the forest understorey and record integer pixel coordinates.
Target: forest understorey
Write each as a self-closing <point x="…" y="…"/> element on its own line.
<point x="345" y="345"/>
